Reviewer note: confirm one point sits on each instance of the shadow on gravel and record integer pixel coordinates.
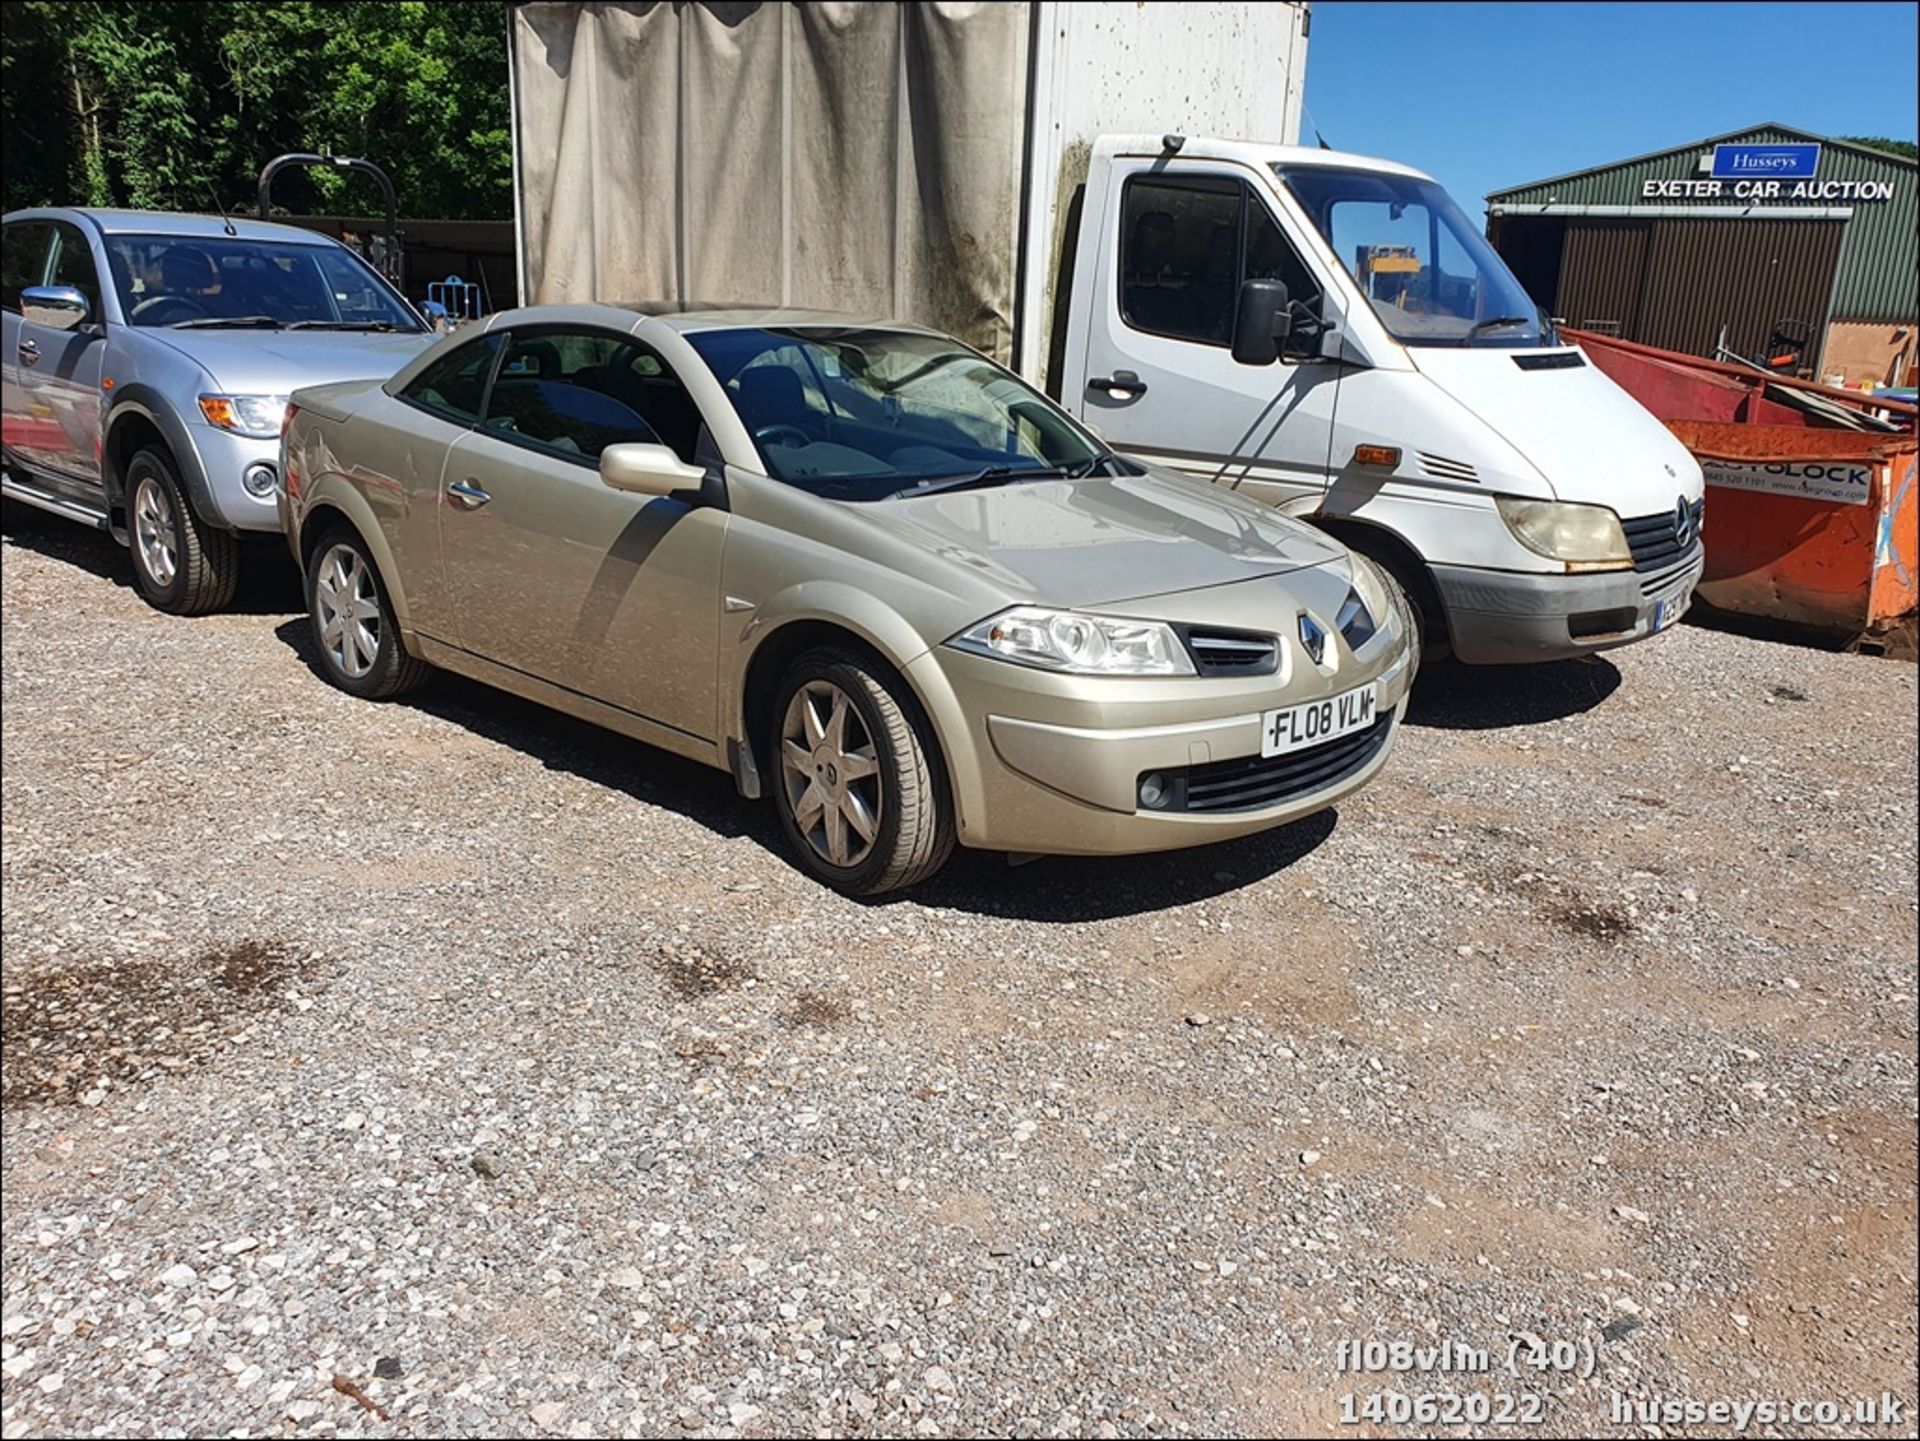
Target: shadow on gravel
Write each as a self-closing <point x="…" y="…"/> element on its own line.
<point x="1059" y="889"/>
<point x="269" y="583"/>
<point x="1069" y="889"/>
<point x="1448" y="696"/>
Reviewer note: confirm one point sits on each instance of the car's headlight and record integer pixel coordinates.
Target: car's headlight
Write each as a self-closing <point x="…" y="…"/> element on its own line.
<point x="1366" y="607"/>
<point x="1585" y="537"/>
<point x="1083" y="644"/>
<point x="258" y="416"/>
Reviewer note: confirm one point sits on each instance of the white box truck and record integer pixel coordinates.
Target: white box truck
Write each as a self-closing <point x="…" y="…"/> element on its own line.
<point x="1326" y="331"/>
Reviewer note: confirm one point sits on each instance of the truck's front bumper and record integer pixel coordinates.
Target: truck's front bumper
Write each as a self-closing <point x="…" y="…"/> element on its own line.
<point x="1509" y="618"/>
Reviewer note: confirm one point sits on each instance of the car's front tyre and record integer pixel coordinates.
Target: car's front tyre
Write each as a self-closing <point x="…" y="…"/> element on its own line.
<point x="181" y="564"/>
<point x="857" y="777"/>
<point x="353" y="626"/>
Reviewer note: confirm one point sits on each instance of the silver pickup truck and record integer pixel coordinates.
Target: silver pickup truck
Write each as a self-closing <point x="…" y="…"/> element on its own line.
<point x="147" y="361"/>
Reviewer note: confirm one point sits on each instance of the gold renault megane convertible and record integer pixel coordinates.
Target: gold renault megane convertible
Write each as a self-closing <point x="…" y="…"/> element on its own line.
<point x="859" y="566"/>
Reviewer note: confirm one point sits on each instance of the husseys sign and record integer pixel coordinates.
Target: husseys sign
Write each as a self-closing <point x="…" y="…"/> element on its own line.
<point x="1779" y="173"/>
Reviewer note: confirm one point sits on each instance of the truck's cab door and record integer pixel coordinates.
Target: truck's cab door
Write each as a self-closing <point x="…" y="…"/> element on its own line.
<point x="60" y="377"/>
<point x="1158" y="378"/>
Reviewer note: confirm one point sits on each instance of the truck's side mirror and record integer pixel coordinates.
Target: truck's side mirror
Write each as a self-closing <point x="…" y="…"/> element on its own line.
<point x="57" y="307"/>
<point x="1262" y="321"/>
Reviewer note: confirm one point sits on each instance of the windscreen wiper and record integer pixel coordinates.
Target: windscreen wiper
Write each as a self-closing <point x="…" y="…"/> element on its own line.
<point x="341" y="325"/>
<point x="1002" y="474"/>
<point x="1501" y="320"/>
<point x="227" y="322"/>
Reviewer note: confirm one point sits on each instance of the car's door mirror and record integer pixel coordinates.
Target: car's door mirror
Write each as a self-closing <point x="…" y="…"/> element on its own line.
<point x="646" y="469"/>
<point x="57" y="307"/>
<point x="1262" y="321"/>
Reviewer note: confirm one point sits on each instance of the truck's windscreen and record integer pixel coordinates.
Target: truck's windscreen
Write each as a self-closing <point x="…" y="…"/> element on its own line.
<point x="198" y="282"/>
<point x="1428" y="273"/>
<point x="863" y="413"/>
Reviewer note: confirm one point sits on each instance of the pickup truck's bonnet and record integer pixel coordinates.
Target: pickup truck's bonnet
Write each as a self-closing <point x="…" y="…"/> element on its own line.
<point x="278" y="362"/>
<point x="1590" y="440"/>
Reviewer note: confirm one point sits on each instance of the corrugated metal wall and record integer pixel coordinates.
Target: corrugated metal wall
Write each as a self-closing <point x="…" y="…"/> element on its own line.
<point x="1602" y="268"/>
<point x="1880" y="277"/>
<point x="1749" y="275"/>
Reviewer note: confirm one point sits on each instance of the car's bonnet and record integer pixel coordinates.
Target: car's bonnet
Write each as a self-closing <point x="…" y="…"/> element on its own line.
<point x="1097" y="542"/>
<point x="277" y="362"/>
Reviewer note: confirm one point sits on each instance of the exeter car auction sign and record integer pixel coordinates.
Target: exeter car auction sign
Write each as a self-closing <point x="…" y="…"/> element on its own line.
<point x="1848" y="481"/>
<point x="1780" y="174"/>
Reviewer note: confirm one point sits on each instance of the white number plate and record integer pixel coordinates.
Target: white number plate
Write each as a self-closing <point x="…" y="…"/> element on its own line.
<point x="1298" y="726"/>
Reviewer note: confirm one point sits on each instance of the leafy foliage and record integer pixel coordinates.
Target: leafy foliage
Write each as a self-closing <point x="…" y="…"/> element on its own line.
<point x="1906" y="149"/>
<point x="163" y="104"/>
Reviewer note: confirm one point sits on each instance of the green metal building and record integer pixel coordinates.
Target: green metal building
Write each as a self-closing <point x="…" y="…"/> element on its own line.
<point x="1779" y="244"/>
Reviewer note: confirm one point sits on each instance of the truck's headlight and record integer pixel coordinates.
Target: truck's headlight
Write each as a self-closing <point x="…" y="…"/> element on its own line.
<point x="1585" y="537"/>
<point x="257" y="416"/>
<point x="1083" y="644"/>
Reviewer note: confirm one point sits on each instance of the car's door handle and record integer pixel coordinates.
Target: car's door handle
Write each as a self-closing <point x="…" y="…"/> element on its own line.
<point x="29" y="351"/>
<point x="1121" y="382"/>
<point x="467" y="495"/>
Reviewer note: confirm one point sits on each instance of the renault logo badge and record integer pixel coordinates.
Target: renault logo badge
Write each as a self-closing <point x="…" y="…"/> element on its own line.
<point x="1683" y="523"/>
<point x="1313" y="636"/>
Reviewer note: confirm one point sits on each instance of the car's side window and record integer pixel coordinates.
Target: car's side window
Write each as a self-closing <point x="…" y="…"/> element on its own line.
<point x="577" y="392"/>
<point x="73" y="265"/>
<point x="1186" y="244"/>
<point x="455" y="386"/>
<point x="23" y="258"/>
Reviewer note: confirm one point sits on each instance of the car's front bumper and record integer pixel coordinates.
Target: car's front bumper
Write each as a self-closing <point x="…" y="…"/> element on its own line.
<point x="1052" y="764"/>
<point x="1510" y="618"/>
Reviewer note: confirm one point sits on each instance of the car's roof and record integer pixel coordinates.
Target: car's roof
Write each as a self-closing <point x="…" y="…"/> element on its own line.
<point x="170" y="222"/>
<point x="693" y="316"/>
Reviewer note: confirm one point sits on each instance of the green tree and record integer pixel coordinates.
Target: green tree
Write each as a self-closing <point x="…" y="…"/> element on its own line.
<point x="163" y="103"/>
<point x="1905" y="149"/>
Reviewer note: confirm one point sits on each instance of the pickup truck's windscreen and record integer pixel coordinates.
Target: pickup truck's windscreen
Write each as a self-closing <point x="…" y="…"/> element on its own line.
<point x="1428" y="273"/>
<point x="214" y="283"/>
<point x="862" y="414"/>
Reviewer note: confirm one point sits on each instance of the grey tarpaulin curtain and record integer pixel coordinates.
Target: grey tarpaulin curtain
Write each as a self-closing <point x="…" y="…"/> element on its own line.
<point x="857" y="156"/>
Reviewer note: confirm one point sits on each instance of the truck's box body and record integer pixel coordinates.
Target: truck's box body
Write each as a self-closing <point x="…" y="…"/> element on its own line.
<point x="919" y="161"/>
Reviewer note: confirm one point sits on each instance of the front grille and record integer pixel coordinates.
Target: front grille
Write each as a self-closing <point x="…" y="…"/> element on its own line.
<point x="1438" y="467"/>
<point x="1655" y="539"/>
<point x="1254" y="781"/>
<point x="1232" y="652"/>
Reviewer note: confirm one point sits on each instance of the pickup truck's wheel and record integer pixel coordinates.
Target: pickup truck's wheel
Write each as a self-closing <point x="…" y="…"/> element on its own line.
<point x="353" y="627"/>
<point x="859" y="787"/>
<point x="180" y="563"/>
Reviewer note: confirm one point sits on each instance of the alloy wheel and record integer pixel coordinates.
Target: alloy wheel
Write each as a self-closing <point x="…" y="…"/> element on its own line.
<point x="348" y="607"/>
<point x="153" y="530"/>
<point x="832" y="774"/>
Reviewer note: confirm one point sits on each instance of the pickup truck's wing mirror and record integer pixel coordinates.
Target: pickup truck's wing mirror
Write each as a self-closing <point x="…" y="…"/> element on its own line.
<point x="645" y="469"/>
<point x="1262" y="321"/>
<point x="57" y="307"/>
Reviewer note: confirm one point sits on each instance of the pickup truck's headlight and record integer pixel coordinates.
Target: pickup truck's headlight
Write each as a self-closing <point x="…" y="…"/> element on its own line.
<point x="1083" y="644"/>
<point x="1585" y="537"/>
<point x="257" y="416"/>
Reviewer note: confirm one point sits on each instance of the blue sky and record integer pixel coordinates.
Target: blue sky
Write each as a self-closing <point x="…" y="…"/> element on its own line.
<point x="1492" y="95"/>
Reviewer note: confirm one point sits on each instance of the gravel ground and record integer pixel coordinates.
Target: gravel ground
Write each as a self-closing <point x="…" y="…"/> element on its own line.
<point x="451" y="1067"/>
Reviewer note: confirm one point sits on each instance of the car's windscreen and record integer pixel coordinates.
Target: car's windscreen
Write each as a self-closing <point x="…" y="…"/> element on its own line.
<point x="214" y="282"/>
<point x="861" y="414"/>
<point x="1428" y="273"/>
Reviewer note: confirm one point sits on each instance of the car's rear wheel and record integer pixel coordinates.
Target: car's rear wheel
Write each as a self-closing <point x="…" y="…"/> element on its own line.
<point x="353" y="626"/>
<point x="859" y="787"/>
<point x="181" y="564"/>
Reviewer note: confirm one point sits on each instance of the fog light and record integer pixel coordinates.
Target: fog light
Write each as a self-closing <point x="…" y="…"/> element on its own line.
<point x="258" y="479"/>
<point x="1153" y="790"/>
